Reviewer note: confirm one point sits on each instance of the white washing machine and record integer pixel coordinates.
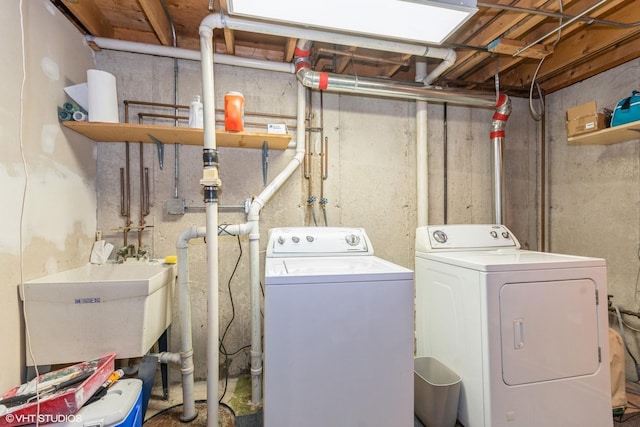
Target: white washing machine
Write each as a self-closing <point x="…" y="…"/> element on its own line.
<point x="526" y="331"/>
<point x="338" y="332"/>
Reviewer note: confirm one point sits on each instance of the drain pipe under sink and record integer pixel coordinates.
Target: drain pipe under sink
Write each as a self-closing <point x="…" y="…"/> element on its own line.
<point x="185" y="358"/>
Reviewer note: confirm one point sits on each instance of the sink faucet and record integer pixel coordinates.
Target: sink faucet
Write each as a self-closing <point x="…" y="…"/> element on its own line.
<point x="143" y="253"/>
<point x="124" y="253"/>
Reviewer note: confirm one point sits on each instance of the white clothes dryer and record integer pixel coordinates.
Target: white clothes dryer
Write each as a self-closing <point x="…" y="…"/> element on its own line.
<point x="338" y="332"/>
<point x="526" y="331"/>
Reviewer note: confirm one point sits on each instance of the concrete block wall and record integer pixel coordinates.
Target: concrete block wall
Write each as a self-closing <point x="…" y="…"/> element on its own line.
<point x="371" y="176"/>
<point x="593" y="196"/>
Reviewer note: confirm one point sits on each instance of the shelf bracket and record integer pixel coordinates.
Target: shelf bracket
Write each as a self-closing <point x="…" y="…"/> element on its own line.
<point x="160" y="147"/>
<point x="265" y="162"/>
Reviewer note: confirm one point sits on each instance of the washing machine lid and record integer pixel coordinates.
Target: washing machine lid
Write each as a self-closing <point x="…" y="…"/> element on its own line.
<point x="325" y="269"/>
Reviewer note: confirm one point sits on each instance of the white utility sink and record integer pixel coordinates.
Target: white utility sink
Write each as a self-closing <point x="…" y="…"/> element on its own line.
<point x="89" y="311"/>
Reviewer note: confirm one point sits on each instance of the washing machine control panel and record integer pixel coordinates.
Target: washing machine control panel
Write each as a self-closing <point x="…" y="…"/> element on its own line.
<point x="461" y="237"/>
<point x="318" y="241"/>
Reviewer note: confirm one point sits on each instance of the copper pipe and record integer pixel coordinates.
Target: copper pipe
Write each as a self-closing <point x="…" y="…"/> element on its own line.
<point x="361" y="57"/>
<point x="126" y="186"/>
<point x="154" y="104"/>
<point x="144" y="192"/>
<point x="186" y="107"/>
<point x="162" y="116"/>
<point x="323" y="146"/>
<point x="325" y="158"/>
<point x="171" y="116"/>
<point x="122" y="211"/>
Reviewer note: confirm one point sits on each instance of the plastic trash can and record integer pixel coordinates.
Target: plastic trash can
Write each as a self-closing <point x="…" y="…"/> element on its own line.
<point x="436" y="393"/>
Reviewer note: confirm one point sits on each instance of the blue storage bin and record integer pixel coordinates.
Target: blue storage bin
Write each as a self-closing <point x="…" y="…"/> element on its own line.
<point x="120" y="407"/>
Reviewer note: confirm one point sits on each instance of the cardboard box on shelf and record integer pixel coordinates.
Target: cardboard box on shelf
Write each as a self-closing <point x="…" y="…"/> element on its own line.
<point x="585" y="118"/>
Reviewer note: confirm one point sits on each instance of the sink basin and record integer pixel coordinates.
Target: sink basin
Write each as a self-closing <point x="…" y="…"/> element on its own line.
<point x="83" y="313"/>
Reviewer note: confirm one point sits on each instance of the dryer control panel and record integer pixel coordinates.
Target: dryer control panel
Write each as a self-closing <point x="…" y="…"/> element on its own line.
<point x="464" y="237"/>
<point x="318" y="241"/>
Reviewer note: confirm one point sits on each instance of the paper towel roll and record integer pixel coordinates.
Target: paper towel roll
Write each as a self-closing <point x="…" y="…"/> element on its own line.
<point x="103" y="97"/>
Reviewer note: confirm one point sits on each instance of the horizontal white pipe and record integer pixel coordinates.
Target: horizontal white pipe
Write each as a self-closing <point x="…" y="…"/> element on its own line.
<point x="193" y="55"/>
<point x="447" y="61"/>
<point x="167" y="358"/>
<point x="233" y="23"/>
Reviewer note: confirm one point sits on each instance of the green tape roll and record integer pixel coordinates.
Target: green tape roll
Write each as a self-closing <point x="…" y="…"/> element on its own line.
<point x="64" y="115"/>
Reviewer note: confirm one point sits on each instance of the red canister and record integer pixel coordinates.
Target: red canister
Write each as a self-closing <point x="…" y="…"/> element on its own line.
<point x="234" y="112"/>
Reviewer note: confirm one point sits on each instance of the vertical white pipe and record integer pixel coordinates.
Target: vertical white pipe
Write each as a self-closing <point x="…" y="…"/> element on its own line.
<point x="422" y="163"/>
<point x="189" y="412"/>
<point x="422" y="168"/>
<point x="210" y="182"/>
<point x="256" y="320"/>
<point x="254" y="247"/>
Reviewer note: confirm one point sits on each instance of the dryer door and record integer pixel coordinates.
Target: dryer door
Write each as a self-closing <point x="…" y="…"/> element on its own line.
<point x="549" y="330"/>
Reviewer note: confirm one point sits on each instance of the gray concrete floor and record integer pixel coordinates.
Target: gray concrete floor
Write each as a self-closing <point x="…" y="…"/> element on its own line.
<point x="166" y="413"/>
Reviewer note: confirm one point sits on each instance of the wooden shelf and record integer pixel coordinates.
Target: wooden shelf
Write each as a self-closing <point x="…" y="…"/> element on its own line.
<point x="607" y="136"/>
<point x="121" y="132"/>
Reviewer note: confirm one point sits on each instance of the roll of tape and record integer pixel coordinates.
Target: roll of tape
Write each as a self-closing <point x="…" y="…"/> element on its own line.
<point x="64" y="115"/>
<point x="70" y="107"/>
<point x="79" y="116"/>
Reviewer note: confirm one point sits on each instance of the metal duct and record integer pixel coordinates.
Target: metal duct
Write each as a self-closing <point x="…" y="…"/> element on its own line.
<point x="379" y="87"/>
<point x="503" y="110"/>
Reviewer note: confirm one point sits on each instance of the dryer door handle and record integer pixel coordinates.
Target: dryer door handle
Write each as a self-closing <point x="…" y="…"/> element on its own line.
<point x="518" y="334"/>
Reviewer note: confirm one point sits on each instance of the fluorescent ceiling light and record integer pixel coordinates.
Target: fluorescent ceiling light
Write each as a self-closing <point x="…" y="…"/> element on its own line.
<point x="426" y="21"/>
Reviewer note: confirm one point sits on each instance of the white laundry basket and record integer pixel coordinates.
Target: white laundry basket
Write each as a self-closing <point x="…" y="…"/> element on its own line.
<point x="436" y="393"/>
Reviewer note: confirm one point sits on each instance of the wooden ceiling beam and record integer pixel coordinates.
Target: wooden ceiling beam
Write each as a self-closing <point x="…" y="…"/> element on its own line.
<point x="510" y="47"/>
<point x="507" y="63"/>
<point x="90" y="16"/>
<point x="578" y="46"/>
<point x="230" y="41"/>
<point x="603" y="61"/>
<point x="343" y="62"/>
<point x="490" y="32"/>
<point x="289" y="49"/>
<point x="158" y="20"/>
<point x="393" y="69"/>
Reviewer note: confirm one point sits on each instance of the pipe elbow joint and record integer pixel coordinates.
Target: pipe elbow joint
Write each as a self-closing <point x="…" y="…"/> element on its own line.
<point x="214" y="20"/>
<point x="451" y="57"/>
<point x="502" y="113"/>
